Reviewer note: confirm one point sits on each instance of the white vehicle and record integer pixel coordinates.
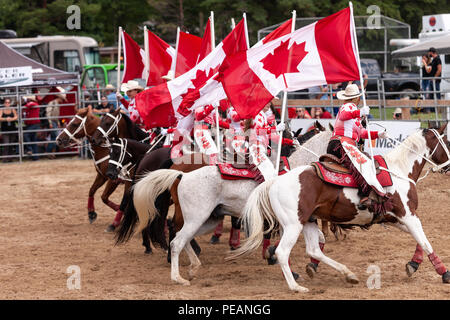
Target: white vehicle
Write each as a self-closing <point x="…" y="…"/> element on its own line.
<point x="68" y="53"/>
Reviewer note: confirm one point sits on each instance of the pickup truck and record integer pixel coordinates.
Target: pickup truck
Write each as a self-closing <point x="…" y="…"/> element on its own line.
<point x="403" y="82"/>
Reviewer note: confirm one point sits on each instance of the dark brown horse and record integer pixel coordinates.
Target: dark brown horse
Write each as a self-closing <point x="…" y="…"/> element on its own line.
<point x="84" y="124"/>
<point x="296" y="199"/>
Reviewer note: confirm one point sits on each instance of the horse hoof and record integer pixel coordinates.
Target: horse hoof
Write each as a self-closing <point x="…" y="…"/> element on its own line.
<point x="311" y="269"/>
<point x="148" y="251"/>
<point x="270" y="254"/>
<point x="92" y="216"/>
<point x="169" y="259"/>
<point x="300" y="289"/>
<point x="446" y="277"/>
<point x="110" y="228"/>
<point x="351" y="278"/>
<point x="411" y="267"/>
<point x="214" y="239"/>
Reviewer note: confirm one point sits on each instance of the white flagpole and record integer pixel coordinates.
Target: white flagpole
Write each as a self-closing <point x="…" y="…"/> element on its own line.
<point x="173" y="67"/>
<point x="283" y="108"/>
<point x="233" y="24"/>
<point x="147" y="56"/>
<point x="119" y="53"/>
<point x="362" y="83"/>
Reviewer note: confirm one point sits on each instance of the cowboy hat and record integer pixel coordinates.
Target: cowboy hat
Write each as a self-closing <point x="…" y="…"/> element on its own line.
<point x="110" y="86"/>
<point x="169" y="76"/>
<point x="30" y="97"/>
<point x="350" y="92"/>
<point x="132" y="85"/>
<point x="62" y="94"/>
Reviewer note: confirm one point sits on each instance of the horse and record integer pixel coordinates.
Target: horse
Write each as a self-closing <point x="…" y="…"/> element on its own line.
<point x="134" y="157"/>
<point x="293" y="201"/>
<point x="205" y="198"/>
<point x="84" y="124"/>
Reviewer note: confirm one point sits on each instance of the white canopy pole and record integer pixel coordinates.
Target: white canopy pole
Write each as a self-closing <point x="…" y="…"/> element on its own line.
<point x="283" y="108"/>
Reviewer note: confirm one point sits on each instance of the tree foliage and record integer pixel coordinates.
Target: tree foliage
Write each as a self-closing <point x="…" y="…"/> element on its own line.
<point x="100" y="19"/>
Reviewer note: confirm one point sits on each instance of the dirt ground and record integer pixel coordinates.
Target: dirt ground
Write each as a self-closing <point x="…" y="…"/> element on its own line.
<point x="46" y="230"/>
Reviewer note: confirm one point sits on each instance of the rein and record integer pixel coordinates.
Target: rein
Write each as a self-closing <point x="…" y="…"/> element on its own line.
<point x="114" y="126"/>
<point x="124" y="170"/>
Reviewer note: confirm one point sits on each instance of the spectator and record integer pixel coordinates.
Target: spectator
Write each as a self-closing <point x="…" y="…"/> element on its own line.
<point x="302" y="113"/>
<point x="319" y="113"/>
<point x="32" y="124"/>
<point x="426" y="72"/>
<point x="87" y="99"/>
<point x="315" y="92"/>
<point x="8" y="118"/>
<point x="111" y="95"/>
<point x="436" y="71"/>
<point x="104" y="107"/>
<point x="53" y="111"/>
<point x="397" y="114"/>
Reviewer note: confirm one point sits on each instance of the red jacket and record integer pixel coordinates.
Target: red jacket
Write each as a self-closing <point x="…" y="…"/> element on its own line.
<point x="31" y="111"/>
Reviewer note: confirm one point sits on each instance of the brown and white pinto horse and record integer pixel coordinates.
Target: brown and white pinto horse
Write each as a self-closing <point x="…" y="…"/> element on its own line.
<point x="84" y="124"/>
<point x="297" y="198"/>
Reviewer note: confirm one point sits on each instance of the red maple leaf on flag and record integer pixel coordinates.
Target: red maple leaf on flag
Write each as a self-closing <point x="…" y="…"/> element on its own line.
<point x="284" y="60"/>
<point x="192" y="94"/>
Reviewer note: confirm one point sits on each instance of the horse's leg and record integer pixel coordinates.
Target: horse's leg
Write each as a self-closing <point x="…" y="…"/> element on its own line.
<point x="325" y="228"/>
<point x="414" y="226"/>
<point x="109" y="189"/>
<point x="311" y="234"/>
<point x="193" y="258"/>
<point x="123" y="205"/>
<point x="217" y="233"/>
<point x="98" y="182"/>
<point x="177" y="245"/>
<point x="311" y="268"/>
<point x="235" y="233"/>
<point x="146" y="240"/>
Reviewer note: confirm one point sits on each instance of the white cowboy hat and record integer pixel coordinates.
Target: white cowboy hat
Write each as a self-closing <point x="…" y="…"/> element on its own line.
<point x="110" y="86"/>
<point x="350" y="92"/>
<point x="169" y="76"/>
<point x="62" y="94"/>
<point x="131" y="85"/>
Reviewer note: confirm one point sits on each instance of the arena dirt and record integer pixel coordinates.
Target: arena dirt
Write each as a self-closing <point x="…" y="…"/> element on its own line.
<point x="45" y="230"/>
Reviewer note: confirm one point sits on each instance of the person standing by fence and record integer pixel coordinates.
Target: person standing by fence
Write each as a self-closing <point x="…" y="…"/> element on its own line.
<point x="436" y="71"/>
<point x="8" y="118"/>
<point x="32" y="124"/>
<point x="53" y="113"/>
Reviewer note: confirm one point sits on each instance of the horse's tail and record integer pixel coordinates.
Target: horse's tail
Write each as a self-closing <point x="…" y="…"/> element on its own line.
<point x="147" y="189"/>
<point x="257" y="210"/>
<point x="130" y="218"/>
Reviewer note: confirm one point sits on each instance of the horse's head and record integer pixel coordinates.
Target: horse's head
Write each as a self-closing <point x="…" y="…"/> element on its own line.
<point x="119" y="158"/>
<point x="108" y="128"/>
<point x="439" y="146"/>
<point x="83" y="124"/>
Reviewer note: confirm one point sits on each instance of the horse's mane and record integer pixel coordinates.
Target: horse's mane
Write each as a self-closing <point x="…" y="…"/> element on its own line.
<point x="317" y="137"/>
<point x="400" y="153"/>
<point x="134" y="131"/>
<point x="308" y="135"/>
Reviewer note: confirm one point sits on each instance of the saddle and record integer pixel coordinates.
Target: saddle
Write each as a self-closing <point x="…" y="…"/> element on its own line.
<point x="329" y="170"/>
<point x="233" y="171"/>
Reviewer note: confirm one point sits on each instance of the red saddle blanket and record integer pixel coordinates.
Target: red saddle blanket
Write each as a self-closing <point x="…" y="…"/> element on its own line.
<point x="228" y="172"/>
<point x="346" y="179"/>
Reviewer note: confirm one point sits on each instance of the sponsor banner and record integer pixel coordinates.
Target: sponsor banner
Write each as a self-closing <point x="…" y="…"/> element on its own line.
<point x="398" y="130"/>
<point x="17" y="76"/>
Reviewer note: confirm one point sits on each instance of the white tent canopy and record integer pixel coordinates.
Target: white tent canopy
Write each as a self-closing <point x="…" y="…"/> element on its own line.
<point x="441" y="44"/>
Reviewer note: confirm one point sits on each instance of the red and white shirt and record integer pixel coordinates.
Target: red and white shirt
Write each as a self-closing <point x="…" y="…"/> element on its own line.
<point x="234" y="119"/>
<point x="264" y="131"/>
<point x="134" y="114"/>
<point x="348" y="123"/>
<point x="208" y="115"/>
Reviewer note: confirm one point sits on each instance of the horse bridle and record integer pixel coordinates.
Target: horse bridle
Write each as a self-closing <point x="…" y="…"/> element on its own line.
<point x="81" y="126"/>
<point x="124" y="170"/>
<point x="114" y="126"/>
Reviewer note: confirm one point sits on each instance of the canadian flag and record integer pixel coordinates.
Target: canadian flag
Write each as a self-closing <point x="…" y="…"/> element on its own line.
<point x="207" y="42"/>
<point x="188" y="50"/>
<point x="212" y="92"/>
<point x="159" y="106"/>
<point x="321" y="53"/>
<point x="160" y="59"/>
<point x="134" y="59"/>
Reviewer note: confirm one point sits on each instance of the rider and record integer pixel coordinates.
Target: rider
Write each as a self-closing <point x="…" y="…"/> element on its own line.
<point x="131" y="88"/>
<point x="347" y="131"/>
<point x="202" y="134"/>
<point x="259" y="142"/>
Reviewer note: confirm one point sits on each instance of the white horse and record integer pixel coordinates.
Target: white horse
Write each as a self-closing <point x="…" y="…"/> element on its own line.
<point x="205" y="198"/>
<point x="293" y="198"/>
